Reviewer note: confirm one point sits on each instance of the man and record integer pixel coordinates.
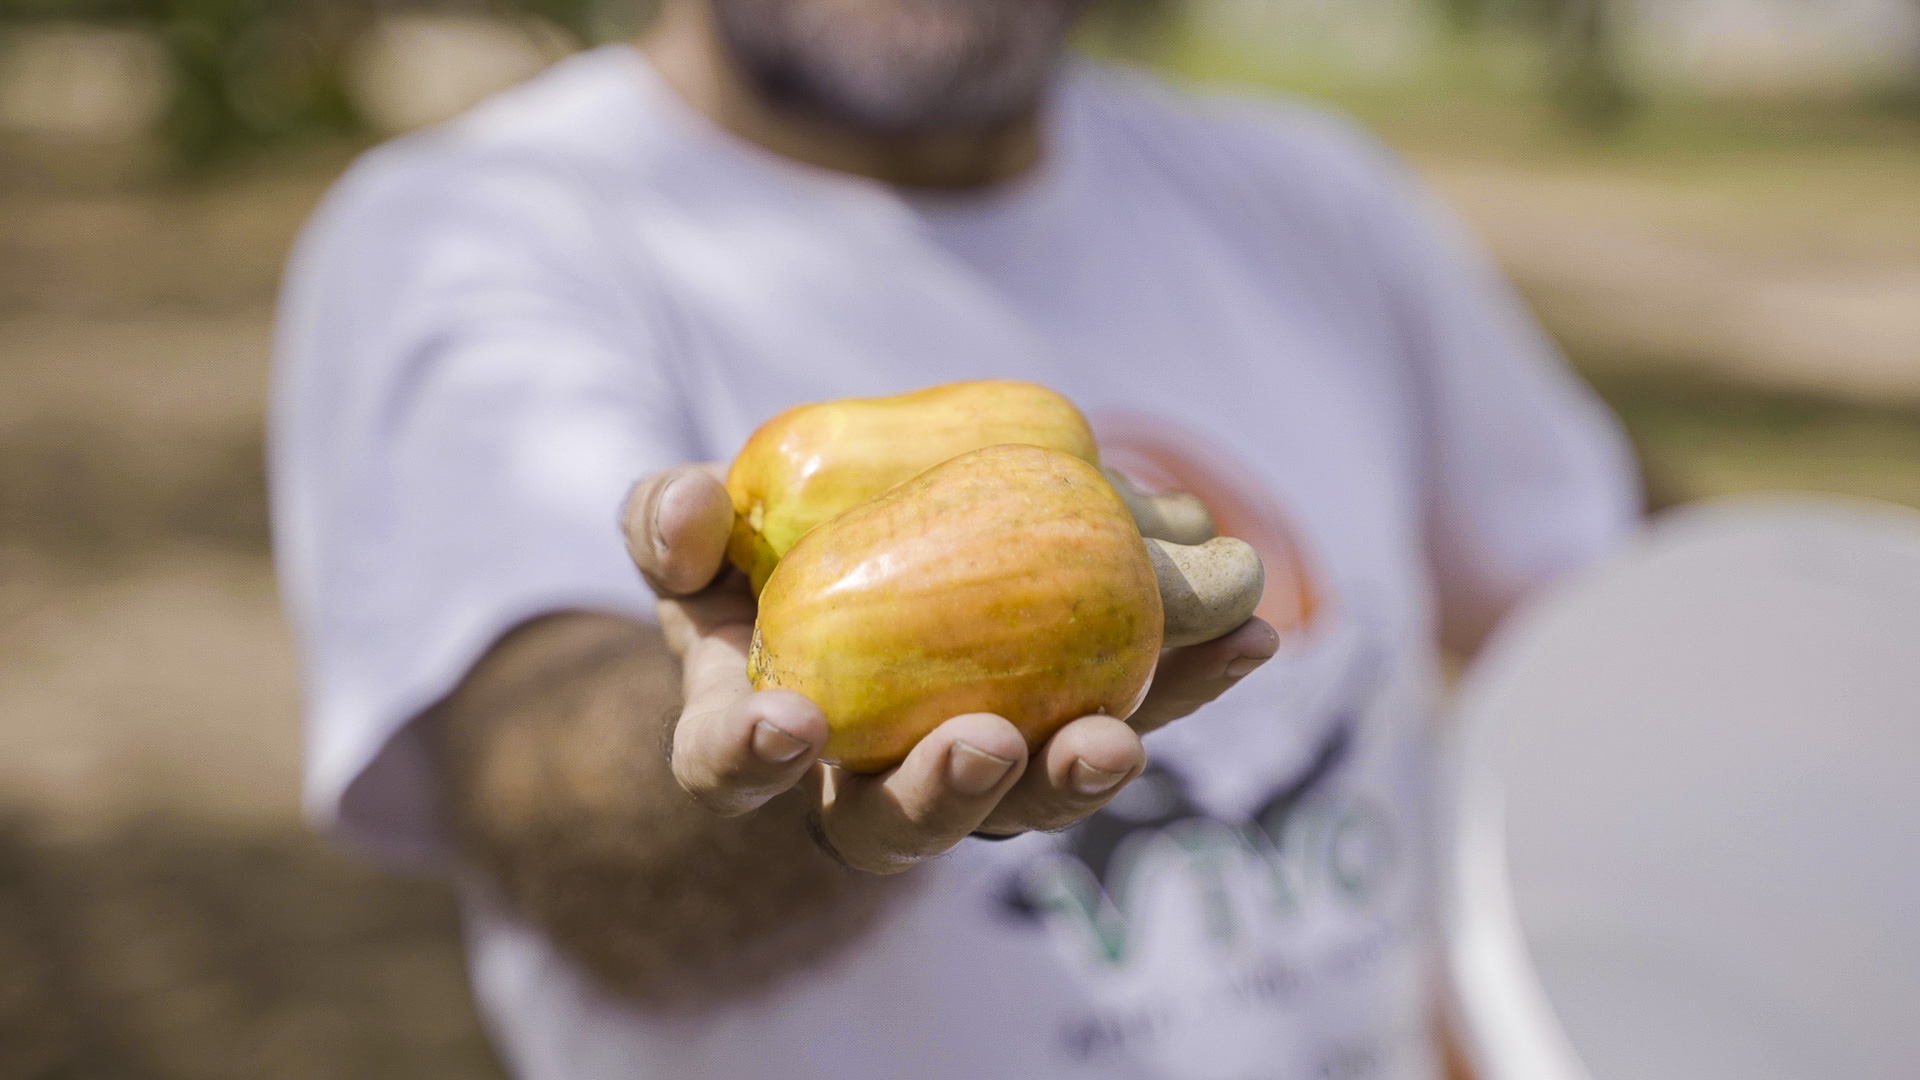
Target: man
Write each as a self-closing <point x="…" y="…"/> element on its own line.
<point x="492" y="330"/>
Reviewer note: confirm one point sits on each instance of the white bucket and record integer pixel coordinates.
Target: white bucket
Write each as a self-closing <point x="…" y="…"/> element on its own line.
<point x="1685" y="809"/>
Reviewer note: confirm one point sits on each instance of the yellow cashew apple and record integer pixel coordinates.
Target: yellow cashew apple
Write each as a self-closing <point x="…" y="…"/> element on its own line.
<point x="1010" y="580"/>
<point x="813" y="461"/>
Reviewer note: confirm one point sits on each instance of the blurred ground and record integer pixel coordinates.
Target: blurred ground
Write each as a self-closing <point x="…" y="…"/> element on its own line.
<point x="178" y="946"/>
<point x="1750" y="302"/>
<point x="163" y="913"/>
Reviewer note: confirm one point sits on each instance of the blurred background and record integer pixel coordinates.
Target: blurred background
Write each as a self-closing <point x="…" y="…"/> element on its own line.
<point x="1714" y="205"/>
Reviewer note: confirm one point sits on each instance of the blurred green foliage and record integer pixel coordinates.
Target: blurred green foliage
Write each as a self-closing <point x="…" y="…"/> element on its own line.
<point x="1583" y="38"/>
<point x="250" y="72"/>
<point x="1135" y="29"/>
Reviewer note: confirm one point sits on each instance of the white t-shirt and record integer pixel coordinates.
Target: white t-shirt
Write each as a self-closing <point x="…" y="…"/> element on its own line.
<point x="492" y="329"/>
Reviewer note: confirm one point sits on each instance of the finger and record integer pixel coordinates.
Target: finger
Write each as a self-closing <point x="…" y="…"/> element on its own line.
<point x="1075" y="773"/>
<point x="713" y="673"/>
<point x="726" y="603"/>
<point x="734" y="758"/>
<point x="930" y="802"/>
<point x="1189" y="678"/>
<point x="676" y="523"/>
<point x="734" y="749"/>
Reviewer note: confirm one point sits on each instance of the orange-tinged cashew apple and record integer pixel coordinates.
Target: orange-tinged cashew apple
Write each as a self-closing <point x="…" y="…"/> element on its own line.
<point x="1010" y="580"/>
<point x="814" y="461"/>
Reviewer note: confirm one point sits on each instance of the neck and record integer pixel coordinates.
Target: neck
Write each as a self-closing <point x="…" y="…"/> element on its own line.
<point x="686" y="50"/>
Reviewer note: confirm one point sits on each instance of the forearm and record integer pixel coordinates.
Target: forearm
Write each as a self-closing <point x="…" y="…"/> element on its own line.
<point x="559" y="787"/>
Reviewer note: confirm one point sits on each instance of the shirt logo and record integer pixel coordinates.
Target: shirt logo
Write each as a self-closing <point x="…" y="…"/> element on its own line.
<point x="1310" y="843"/>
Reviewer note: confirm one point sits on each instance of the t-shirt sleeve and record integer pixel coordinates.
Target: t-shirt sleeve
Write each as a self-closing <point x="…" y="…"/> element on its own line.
<point x="1526" y="474"/>
<point x="468" y="379"/>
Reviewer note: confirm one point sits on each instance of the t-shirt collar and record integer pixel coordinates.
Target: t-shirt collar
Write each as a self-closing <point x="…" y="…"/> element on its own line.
<point x="1014" y="198"/>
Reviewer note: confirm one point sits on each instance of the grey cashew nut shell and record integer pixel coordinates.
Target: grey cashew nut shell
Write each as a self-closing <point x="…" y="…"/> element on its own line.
<point x="1173" y="516"/>
<point x="1207" y="590"/>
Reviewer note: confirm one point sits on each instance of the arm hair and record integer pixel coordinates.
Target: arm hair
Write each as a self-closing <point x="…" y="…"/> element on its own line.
<point x="559" y="786"/>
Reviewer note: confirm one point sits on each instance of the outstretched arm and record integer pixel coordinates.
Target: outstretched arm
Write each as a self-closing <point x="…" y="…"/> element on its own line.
<point x="675" y="830"/>
<point x="560" y="788"/>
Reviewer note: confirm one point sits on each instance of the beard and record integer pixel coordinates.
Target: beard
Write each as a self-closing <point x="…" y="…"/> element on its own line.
<point x="899" y="67"/>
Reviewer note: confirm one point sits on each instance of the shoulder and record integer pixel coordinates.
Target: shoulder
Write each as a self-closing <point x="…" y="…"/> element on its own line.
<point x="1271" y="148"/>
<point x="507" y="205"/>
<point x="542" y="148"/>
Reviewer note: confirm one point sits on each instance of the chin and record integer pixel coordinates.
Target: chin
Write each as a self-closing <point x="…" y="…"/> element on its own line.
<point x="899" y="67"/>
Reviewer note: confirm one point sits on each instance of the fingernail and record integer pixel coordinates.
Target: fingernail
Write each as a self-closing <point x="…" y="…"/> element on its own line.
<point x="1242" y="667"/>
<point x="659" y="537"/>
<point x="1088" y="780"/>
<point x="973" y="771"/>
<point x="776" y="746"/>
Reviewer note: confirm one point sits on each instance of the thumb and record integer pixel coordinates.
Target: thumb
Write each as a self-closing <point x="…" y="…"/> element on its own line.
<point x="676" y="523"/>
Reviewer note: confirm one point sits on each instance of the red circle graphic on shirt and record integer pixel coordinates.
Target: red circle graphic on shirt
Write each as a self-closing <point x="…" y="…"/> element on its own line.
<point x="1159" y="455"/>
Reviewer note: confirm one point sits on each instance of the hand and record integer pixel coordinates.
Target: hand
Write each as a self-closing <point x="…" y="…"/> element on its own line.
<point x="735" y="748"/>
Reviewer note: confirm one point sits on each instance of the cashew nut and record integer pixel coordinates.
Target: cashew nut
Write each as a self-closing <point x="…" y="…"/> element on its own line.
<point x="1175" y="516"/>
<point x="1206" y="589"/>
